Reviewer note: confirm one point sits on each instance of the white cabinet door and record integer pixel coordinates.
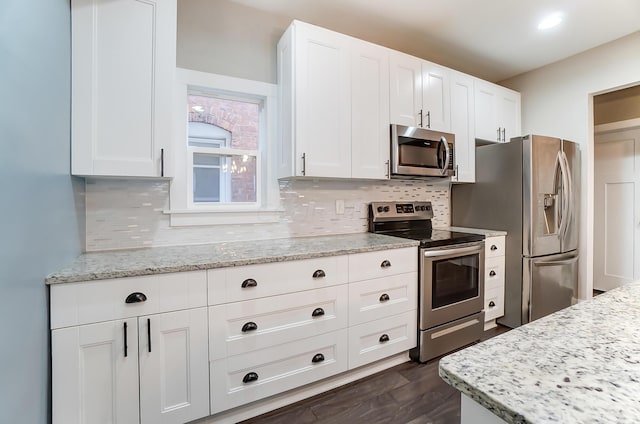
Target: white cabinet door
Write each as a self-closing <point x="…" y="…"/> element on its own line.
<point x="369" y="110"/>
<point x="174" y="367"/>
<point x="509" y="113"/>
<point x="406" y="89"/>
<point x="123" y="62"/>
<point x="323" y="102"/>
<point x="435" y="97"/>
<point x="95" y="378"/>
<point x="463" y="126"/>
<point x="497" y="111"/>
<point x="486" y="113"/>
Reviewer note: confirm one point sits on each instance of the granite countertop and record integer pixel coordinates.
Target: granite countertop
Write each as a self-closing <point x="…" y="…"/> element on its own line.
<point x="157" y="260"/>
<point x="578" y="365"/>
<point x="485" y="232"/>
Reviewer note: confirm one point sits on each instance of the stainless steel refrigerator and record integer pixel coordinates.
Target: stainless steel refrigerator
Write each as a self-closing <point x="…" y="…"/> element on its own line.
<point x="528" y="187"/>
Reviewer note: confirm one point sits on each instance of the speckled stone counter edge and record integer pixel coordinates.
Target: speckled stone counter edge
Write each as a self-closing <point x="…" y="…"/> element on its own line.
<point x="159" y="260"/>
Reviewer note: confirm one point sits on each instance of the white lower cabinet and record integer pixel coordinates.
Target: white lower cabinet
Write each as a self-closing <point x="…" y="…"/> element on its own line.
<point x="93" y="380"/>
<point x="149" y="369"/>
<point x="382" y="297"/>
<point x="378" y="339"/>
<point x="241" y="327"/>
<point x="130" y="350"/>
<point x="247" y="377"/>
<point x="494" y="280"/>
<point x="173" y="348"/>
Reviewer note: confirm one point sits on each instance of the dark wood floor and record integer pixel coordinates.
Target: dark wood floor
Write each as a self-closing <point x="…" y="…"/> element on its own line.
<point x="408" y="393"/>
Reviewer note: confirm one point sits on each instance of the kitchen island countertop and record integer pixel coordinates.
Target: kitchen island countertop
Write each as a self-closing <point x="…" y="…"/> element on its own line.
<point x="158" y="260"/>
<point x="578" y="365"/>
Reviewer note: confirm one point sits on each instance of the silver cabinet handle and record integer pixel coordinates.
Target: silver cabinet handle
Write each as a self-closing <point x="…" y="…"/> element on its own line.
<point x="387" y="165"/>
<point x="421" y="118"/>
<point x="429" y="119"/>
<point x="304" y="164"/>
<point x="504" y="135"/>
<point x="498" y="133"/>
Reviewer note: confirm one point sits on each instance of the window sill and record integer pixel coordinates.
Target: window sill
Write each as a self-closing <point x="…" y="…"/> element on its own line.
<point x="187" y="218"/>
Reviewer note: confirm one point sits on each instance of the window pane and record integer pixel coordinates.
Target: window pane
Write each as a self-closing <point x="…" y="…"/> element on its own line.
<point x="239" y="119"/>
<point x="206" y="184"/>
<point x="243" y="179"/>
<point x="224" y="179"/>
<point x="204" y="159"/>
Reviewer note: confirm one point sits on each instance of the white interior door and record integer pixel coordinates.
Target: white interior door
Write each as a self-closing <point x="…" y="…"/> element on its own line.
<point x="616" y="215"/>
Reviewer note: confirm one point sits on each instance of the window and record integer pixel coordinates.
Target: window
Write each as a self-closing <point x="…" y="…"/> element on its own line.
<point x="223" y="145"/>
<point x="225" y="127"/>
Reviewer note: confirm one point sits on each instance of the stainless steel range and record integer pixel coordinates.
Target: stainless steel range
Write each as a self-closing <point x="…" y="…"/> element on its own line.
<point x="451" y="276"/>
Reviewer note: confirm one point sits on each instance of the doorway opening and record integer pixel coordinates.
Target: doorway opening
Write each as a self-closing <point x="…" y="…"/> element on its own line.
<point x="616" y="220"/>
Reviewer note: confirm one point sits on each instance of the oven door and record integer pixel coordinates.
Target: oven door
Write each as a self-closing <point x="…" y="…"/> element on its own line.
<point x="451" y="283"/>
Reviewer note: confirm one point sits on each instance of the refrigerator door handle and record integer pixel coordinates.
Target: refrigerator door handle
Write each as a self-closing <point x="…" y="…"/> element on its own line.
<point x="570" y="198"/>
<point x="556" y="263"/>
<point x="565" y="200"/>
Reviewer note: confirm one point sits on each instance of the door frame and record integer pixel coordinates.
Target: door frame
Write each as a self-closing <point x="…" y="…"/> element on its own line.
<point x="587" y="226"/>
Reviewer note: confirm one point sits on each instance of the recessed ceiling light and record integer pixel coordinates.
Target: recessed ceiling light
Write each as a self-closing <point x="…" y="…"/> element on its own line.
<point x="198" y="108"/>
<point x="550" y="21"/>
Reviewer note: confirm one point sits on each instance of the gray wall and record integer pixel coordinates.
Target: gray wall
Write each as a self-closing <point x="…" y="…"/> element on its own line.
<point x="41" y="226"/>
<point x="222" y="37"/>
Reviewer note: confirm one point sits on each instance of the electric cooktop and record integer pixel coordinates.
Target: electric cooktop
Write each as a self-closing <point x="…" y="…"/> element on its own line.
<point x="412" y="220"/>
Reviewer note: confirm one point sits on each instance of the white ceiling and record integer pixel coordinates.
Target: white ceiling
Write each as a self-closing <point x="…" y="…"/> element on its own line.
<point x="492" y="39"/>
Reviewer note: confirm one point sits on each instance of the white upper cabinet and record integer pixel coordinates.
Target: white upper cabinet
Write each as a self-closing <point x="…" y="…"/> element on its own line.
<point x="334" y="105"/>
<point x="463" y="126"/>
<point x="420" y="95"/>
<point x="123" y="64"/>
<point x="369" y="110"/>
<point x="497" y="112"/>
<point x="315" y="91"/>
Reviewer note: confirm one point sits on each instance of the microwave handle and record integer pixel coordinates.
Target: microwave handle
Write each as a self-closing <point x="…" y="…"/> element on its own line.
<point x="447" y="155"/>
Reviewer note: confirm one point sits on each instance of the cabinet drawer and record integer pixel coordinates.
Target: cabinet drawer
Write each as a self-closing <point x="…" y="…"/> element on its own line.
<point x="365" y="266"/>
<point x="494" y="246"/>
<point x="382" y="297"/>
<point x="494" y="272"/>
<point x="367" y="341"/>
<point x="254" y="281"/>
<point x="104" y="300"/>
<point x="276" y="369"/>
<point x="494" y="297"/>
<point x="278" y="319"/>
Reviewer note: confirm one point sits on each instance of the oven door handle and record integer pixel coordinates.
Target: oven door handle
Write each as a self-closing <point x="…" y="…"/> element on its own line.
<point x="447" y="252"/>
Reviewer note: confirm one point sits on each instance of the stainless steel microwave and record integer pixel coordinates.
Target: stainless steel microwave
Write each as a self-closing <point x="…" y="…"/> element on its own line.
<point x="418" y="152"/>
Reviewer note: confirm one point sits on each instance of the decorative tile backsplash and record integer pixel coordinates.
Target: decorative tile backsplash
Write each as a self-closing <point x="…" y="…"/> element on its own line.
<point x="124" y="214"/>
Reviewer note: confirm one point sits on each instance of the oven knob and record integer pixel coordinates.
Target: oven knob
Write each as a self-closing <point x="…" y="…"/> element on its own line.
<point x="420" y="208"/>
<point x="380" y="209"/>
<point x="386" y="208"/>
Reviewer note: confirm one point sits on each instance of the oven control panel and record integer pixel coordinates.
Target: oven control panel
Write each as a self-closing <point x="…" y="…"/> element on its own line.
<point x="393" y="211"/>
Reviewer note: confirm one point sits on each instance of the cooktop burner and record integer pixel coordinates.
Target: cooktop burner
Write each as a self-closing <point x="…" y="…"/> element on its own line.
<point x="412" y="220"/>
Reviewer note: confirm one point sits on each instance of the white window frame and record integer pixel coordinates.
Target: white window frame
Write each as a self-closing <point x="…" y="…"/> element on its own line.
<point x="183" y="210"/>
